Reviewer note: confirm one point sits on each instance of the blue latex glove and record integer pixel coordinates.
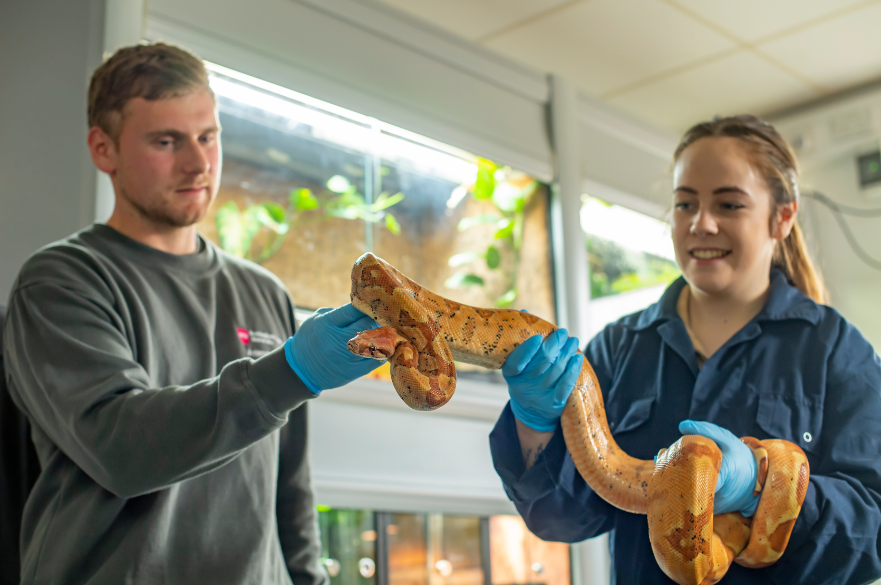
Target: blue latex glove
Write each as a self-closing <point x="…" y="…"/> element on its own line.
<point x="737" y="476"/>
<point x="540" y="377"/>
<point x="317" y="352"/>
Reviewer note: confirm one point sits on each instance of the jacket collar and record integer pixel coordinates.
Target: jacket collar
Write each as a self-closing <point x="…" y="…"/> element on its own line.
<point x="784" y="302"/>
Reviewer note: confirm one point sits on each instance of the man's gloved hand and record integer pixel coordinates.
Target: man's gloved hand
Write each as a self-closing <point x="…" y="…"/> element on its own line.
<point x="540" y="376"/>
<point x="317" y="352"/>
<point x="737" y="476"/>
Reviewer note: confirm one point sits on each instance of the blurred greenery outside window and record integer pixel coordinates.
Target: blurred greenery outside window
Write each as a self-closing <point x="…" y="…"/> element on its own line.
<point x="627" y="250"/>
<point x="631" y="260"/>
<point x="436" y="549"/>
<point x="308" y="187"/>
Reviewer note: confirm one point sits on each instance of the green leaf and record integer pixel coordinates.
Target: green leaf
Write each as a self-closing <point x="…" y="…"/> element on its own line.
<point x="264" y="215"/>
<point x="526" y="193"/>
<point x="467" y="222"/>
<point x="339" y="184"/>
<point x="507" y="298"/>
<point x="462" y="280"/>
<point x="228" y="220"/>
<point x="506" y="197"/>
<point x="485" y="183"/>
<point x="253" y="219"/>
<point x="345" y="212"/>
<point x="493" y="258"/>
<point x="384" y="201"/>
<point x="352" y="198"/>
<point x="392" y="224"/>
<point x="505" y="229"/>
<point x="276" y="212"/>
<point x="349" y="205"/>
<point x="457" y="260"/>
<point x="303" y="199"/>
<point x="236" y="230"/>
<point x="512" y="195"/>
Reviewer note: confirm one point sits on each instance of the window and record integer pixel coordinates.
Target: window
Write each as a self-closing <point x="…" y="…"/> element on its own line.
<point x="307" y="188"/>
<point x="436" y="549"/>
<point x="631" y="260"/>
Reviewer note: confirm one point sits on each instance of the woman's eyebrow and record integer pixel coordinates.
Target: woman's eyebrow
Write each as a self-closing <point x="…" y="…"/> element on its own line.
<point x="729" y="189"/>
<point x="685" y="189"/>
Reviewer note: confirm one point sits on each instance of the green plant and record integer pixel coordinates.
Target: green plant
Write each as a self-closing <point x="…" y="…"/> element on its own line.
<point x="237" y="229"/>
<point x="614" y="269"/>
<point x="509" y="191"/>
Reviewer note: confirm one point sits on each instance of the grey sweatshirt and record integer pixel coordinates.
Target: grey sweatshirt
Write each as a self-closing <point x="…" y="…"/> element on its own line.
<point x="170" y="429"/>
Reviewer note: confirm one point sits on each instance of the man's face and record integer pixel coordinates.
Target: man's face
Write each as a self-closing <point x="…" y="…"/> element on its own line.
<point x="168" y="158"/>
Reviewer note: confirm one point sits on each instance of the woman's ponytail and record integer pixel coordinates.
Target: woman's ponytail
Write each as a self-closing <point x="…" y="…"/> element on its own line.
<point x="791" y="256"/>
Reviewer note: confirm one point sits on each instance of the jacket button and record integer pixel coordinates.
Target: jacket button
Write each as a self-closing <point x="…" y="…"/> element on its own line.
<point x="807" y="437"/>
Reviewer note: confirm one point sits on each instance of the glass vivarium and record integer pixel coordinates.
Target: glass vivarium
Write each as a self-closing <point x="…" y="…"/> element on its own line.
<point x="436" y="549"/>
<point x="308" y="187"/>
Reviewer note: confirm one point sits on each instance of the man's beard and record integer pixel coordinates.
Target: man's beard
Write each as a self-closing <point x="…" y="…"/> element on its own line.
<point x="162" y="214"/>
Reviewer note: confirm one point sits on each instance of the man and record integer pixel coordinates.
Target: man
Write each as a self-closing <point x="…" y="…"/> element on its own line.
<point x="166" y="407"/>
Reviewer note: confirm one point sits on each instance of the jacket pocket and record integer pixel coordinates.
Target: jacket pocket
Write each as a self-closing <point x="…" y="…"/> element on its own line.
<point x="795" y="419"/>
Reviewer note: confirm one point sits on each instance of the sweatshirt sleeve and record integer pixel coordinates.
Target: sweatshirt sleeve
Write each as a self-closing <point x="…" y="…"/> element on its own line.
<point x="73" y="370"/>
<point x="295" y="508"/>
<point x="553" y="499"/>
<point x="836" y="536"/>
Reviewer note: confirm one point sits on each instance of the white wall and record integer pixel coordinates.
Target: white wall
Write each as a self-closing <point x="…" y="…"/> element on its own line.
<point x="854" y="286"/>
<point x="47" y="182"/>
<point x="402" y="460"/>
<point x="830" y="137"/>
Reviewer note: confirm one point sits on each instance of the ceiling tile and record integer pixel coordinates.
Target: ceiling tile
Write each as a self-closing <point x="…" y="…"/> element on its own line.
<point x="736" y="84"/>
<point x="474" y="19"/>
<point x="750" y="20"/>
<point x="602" y="45"/>
<point x="836" y="54"/>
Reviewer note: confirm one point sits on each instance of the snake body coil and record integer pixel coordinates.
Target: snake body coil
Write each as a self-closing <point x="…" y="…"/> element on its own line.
<point x="422" y="333"/>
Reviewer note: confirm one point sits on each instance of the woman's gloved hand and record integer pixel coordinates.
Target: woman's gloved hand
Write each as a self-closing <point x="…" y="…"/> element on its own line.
<point x="540" y="376"/>
<point x="317" y="352"/>
<point x="737" y="476"/>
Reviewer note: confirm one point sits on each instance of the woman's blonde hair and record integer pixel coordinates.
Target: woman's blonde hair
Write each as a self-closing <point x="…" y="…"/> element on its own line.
<point x="776" y="161"/>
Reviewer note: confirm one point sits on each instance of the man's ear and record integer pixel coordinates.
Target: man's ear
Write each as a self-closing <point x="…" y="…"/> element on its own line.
<point x="785" y="220"/>
<point x="103" y="150"/>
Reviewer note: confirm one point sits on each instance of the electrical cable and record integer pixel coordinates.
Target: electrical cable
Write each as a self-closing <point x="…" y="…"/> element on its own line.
<point x="838" y="212"/>
<point x="855" y="211"/>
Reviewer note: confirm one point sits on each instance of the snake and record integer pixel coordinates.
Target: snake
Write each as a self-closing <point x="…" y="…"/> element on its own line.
<point x="422" y="335"/>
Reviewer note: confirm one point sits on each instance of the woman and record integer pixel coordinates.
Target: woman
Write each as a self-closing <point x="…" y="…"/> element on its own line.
<point x="742" y="342"/>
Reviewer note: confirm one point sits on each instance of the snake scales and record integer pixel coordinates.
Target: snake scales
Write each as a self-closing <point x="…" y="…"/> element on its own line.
<point x="422" y="333"/>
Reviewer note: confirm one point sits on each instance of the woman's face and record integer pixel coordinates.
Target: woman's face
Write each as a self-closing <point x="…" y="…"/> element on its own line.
<point x="722" y="210"/>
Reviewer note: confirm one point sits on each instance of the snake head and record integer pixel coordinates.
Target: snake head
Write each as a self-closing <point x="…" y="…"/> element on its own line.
<point x="379" y="344"/>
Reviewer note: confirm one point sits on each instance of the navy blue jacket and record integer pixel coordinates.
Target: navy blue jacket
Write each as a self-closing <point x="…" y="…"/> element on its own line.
<point x="798" y="371"/>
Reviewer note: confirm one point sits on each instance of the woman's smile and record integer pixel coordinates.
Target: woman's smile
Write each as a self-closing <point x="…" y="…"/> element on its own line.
<point x="708" y="255"/>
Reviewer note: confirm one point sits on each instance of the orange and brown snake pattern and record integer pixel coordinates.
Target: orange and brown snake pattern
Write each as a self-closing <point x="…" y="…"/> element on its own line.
<point x="421" y="334"/>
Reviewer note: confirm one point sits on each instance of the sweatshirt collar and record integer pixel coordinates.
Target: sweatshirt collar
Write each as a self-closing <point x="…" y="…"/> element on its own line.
<point x="204" y="259"/>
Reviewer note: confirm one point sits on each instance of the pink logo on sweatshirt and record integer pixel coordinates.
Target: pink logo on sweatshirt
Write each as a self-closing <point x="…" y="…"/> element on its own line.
<point x="244" y="335"/>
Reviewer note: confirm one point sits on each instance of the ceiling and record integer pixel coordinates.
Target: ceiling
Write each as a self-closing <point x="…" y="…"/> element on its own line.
<point x="675" y="62"/>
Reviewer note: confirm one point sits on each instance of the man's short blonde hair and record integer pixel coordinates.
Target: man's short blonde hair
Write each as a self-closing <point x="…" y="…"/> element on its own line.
<point x="151" y="71"/>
